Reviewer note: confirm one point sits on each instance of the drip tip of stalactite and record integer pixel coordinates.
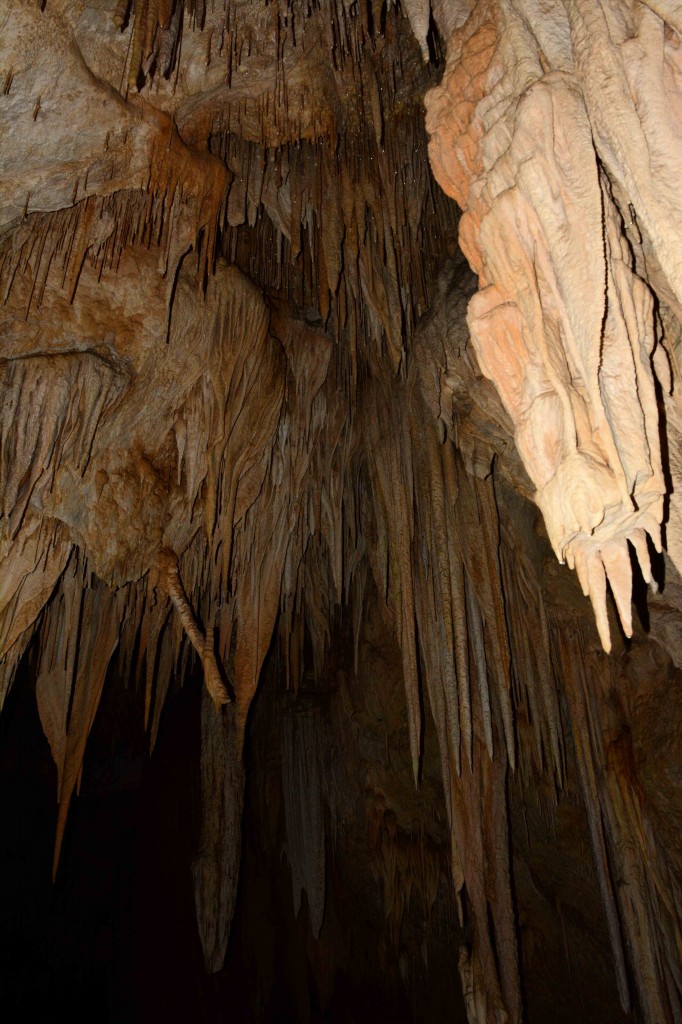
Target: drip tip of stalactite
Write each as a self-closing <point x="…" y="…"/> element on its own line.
<point x="612" y="563"/>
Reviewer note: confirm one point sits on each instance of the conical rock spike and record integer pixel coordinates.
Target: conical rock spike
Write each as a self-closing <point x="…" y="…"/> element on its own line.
<point x="616" y="560"/>
<point x="581" y="567"/>
<point x="597" y="592"/>
<point x="639" y="543"/>
<point x="655" y="534"/>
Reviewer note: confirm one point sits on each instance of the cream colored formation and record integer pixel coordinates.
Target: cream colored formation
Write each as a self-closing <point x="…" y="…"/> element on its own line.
<point x="557" y="128"/>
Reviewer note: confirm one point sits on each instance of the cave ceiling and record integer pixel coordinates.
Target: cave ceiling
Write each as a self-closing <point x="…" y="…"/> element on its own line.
<point x="307" y="306"/>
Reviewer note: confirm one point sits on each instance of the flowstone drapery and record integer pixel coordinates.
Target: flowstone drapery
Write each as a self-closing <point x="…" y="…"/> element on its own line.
<point x="540" y="130"/>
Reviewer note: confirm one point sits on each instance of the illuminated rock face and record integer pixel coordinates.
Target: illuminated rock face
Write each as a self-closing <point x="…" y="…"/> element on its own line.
<point x="558" y="135"/>
<point x="557" y="130"/>
<point x="245" y="383"/>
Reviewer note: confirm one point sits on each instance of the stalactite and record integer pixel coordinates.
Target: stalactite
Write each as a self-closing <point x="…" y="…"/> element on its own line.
<point x="586" y="767"/>
<point x="636" y="910"/>
<point x="100" y="615"/>
<point x="155" y="30"/>
<point x="304" y="808"/>
<point x="393" y="492"/>
<point x="476" y="639"/>
<point x="424" y="474"/>
<point x="215" y="869"/>
<point x="31" y="567"/>
<point x="56" y="671"/>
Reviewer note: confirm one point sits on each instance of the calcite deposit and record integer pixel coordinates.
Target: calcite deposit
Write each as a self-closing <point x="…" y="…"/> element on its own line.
<point x="258" y="420"/>
<point x="540" y="130"/>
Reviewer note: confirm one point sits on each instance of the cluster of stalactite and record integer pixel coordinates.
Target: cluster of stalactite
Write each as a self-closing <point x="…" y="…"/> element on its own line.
<point x="559" y="138"/>
<point x="317" y="494"/>
<point x="215" y="399"/>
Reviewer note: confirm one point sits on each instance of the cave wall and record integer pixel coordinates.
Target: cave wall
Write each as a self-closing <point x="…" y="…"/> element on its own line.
<point x="247" y="381"/>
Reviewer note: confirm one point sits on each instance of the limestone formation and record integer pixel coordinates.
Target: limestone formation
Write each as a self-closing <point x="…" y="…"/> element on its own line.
<point x="251" y="402"/>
